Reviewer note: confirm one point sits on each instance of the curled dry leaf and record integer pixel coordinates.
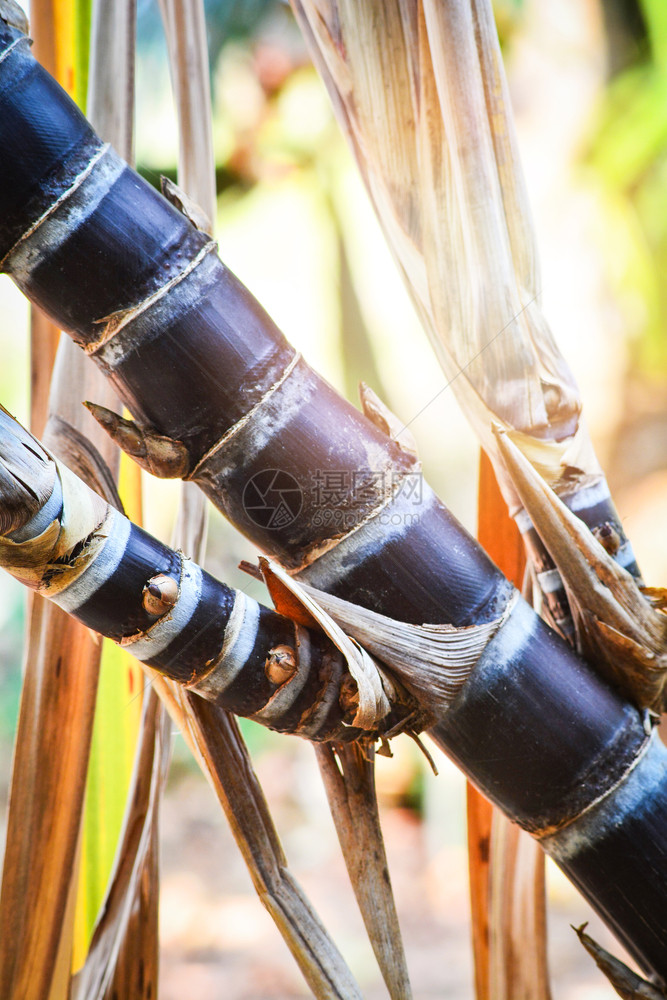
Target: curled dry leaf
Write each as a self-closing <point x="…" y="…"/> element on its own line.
<point x="616" y="626"/>
<point x="375" y="691"/>
<point x="431" y="661"/>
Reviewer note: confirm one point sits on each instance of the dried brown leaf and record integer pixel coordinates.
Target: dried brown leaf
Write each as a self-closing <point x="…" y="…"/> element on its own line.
<point x="518" y="957"/>
<point x="419" y="89"/>
<point x="214" y="738"/>
<point x="46" y="800"/>
<point x="349" y="780"/>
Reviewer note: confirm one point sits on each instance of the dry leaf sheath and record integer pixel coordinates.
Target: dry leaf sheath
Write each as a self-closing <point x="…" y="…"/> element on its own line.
<point x="420" y="92"/>
<point x="533" y="726"/>
<point x="616" y="626"/>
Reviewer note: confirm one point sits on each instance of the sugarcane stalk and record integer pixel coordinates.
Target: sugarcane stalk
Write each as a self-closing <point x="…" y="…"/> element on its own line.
<point x="115" y="578"/>
<point x="420" y="91"/>
<point x="533" y="726"/>
<point x="26" y="468"/>
<point x="426" y="79"/>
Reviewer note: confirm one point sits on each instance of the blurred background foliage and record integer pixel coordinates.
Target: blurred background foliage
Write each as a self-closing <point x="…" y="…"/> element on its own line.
<point x="589" y="86"/>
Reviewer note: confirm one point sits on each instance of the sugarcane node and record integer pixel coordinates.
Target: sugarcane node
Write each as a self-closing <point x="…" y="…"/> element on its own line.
<point x="159" y="595"/>
<point x="280" y="664"/>
<point x="608" y="537"/>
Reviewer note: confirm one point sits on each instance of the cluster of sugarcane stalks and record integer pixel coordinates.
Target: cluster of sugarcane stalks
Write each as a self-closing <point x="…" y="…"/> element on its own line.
<point x="221" y="399"/>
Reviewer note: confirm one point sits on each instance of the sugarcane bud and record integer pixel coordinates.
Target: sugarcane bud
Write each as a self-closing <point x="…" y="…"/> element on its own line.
<point x="280" y="664"/>
<point x="625" y="982"/>
<point x="161" y="456"/>
<point x="608" y="537"/>
<point x="160" y="595"/>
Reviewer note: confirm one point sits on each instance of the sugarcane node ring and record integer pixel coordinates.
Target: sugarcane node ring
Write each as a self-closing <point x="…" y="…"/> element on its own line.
<point x="160" y="595"/>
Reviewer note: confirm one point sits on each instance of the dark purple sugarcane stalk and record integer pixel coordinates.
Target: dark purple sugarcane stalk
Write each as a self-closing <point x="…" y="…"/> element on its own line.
<point x="216" y="388"/>
<point x="71" y="546"/>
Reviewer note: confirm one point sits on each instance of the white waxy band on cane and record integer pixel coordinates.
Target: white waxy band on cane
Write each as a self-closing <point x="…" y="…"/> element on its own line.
<point x="103" y="567"/>
<point x="238" y="644"/>
<point x="66" y="214"/>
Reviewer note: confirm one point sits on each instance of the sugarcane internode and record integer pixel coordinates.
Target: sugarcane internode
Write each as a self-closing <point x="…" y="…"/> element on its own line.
<point x="129" y="278"/>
